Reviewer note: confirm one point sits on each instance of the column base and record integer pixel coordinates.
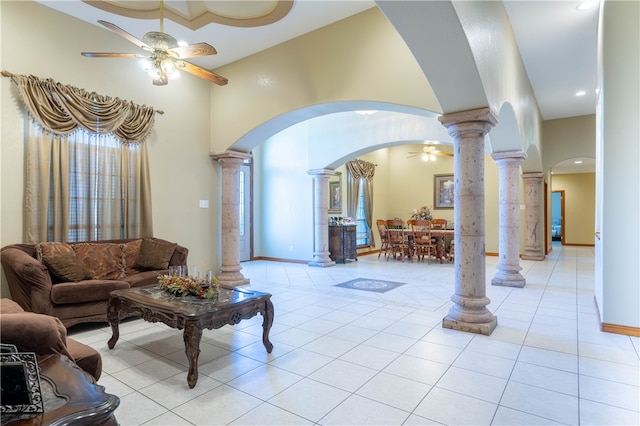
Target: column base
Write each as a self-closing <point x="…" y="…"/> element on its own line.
<point x="230" y="279"/>
<point x="322" y="264"/>
<point x="533" y="256"/>
<point x="484" y="328"/>
<point x="509" y="279"/>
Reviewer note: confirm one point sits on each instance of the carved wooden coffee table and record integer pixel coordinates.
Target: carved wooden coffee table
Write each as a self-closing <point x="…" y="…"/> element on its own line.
<point x="191" y="314"/>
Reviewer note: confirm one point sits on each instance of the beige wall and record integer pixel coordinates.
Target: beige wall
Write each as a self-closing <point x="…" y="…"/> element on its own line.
<point x="567" y="138"/>
<point x="579" y="206"/>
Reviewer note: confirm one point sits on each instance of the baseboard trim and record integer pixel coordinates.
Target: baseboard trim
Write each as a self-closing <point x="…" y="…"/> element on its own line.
<point x="615" y="328"/>
<point x="278" y="259"/>
<point x="578" y="245"/>
<point x="620" y="329"/>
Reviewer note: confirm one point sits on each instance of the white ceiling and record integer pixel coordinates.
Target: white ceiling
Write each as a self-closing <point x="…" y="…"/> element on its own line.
<point x="557" y="42"/>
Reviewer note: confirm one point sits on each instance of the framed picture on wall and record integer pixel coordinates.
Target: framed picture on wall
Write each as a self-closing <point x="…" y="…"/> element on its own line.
<point x="21" y="392"/>
<point x="443" y="191"/>
<point x="335" y="197"/>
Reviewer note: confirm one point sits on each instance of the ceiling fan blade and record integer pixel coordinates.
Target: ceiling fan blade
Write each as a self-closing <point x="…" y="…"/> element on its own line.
<point x="122" y="33"/>
<point x="202" y="73"/>
<point x="193" y="50"/>
<point x="111" y="55"/>
<point x="444" y="154"/>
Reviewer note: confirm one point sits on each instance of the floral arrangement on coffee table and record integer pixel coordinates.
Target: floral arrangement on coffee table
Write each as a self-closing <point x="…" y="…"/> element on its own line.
<point x="185" y="286"/>
<point x="422" y="213"/>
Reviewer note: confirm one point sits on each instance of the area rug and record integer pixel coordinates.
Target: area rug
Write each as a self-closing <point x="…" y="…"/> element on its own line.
<point x="368" y="284"/>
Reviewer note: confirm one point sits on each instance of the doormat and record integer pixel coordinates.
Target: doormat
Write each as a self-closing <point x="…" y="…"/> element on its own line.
<point x="368" y="284"/>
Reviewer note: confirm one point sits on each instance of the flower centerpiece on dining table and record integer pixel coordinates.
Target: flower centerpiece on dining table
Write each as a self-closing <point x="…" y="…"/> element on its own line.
<point x="422" y="213"/>
<point x="179" y="285"/>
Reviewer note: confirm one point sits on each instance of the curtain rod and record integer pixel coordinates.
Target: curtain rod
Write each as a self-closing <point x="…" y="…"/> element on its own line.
<point x="10" y="74"/>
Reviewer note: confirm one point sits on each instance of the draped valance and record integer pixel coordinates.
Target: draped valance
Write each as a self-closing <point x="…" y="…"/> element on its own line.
<point x="63" y="109"/>
<point x="361" y="169"/>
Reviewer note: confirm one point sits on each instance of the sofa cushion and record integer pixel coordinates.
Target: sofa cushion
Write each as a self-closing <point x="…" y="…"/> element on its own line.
<point x="154" y="254"/>
<point x="105" y="261"/>
<point x="51" y="249"/>
<point x="85" y="291"/>
<point x="131" y="250"/>
<point x="143" y="278"/>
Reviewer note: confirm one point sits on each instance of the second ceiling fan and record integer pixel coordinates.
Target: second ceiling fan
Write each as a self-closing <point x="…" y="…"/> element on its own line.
<point x="165" y="56"/>
<point x="429" y="153"/>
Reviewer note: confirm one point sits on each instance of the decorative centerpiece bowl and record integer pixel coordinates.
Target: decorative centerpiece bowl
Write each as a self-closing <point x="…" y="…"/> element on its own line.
<point x="185" y="286"/>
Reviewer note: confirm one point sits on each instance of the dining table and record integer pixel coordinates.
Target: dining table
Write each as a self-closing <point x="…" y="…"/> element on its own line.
<point x="440" y="236"/>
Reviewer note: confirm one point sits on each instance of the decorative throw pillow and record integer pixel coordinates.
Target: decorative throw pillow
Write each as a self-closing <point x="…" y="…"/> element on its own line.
<point x="66" y="267"/>
<point x="131" y="250"/>
<point x="52" y="249"/>
<point x="105" y="261"/>
<point x="154" y="254"/>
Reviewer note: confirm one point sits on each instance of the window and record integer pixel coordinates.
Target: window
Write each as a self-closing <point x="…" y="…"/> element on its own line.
<point x="362" y="230"/>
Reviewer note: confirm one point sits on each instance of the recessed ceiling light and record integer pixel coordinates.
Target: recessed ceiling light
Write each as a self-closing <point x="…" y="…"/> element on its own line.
<point x="585" y="5"/>
<point x="581" y="93"/>
<point x="577" y="162"/>
<point x="366" y="112"/>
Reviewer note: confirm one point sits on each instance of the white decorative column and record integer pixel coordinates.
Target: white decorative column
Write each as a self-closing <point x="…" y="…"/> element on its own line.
<point x="469" y="311"/>
<point x="231" y="161"/>
<point x="533" y="249"/>
<point x="508" y="273"/>
<point x="321" y="217"/>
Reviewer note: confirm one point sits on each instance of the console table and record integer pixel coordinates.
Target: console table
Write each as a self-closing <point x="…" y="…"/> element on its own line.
<point x="342" y="243"/>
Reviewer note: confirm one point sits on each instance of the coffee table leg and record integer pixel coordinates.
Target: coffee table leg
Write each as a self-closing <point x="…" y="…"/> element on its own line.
<point x="113" y="316"/>
<point x="192" y="336"/>
<point x="266" y="325"/>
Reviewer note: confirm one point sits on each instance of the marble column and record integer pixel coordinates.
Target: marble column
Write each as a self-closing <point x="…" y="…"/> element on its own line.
<point x="231" y="161"/>
<point x="469" y="311"/>
<point x="508" y="274"/>
<point x="321" y="217"/>
<point x="533" y="244"/>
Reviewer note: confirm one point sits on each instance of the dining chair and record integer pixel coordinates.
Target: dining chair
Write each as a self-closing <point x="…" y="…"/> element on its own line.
<point x="397" y="239"/>
<point x="439" y="223"/>
<point x="422" y="241"/>
<point x="384" y="238"/>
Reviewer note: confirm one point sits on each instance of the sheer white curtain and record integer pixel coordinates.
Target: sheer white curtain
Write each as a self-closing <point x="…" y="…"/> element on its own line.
<point x="85" y="186"/>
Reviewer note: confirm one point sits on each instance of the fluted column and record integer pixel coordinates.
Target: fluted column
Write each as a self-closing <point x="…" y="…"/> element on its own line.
<point x="321" y="217"/>
<point x="469" y="311"/>
<point x="508" y="273"/>
<point x="230" y="274"/>
<point x="533" y="244"/>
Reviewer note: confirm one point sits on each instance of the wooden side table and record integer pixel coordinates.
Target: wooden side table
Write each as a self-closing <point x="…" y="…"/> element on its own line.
<point x="71" y="397"/>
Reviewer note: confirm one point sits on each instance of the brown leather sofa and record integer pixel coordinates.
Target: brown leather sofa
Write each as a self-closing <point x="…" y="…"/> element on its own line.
<point x="44" y="335"/>
<point x="72" y="281"/>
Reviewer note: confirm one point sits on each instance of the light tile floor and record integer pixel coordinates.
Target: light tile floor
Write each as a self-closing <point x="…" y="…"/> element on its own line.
<point x="350" y="357"/>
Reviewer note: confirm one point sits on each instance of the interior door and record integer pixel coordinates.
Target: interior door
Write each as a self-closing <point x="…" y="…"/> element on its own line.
<point x="557" y="216"/>
<point x="245" y="212"/>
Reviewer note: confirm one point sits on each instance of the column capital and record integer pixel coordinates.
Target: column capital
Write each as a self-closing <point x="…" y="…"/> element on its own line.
<point x="516" y="156"/>
<point x="321" y="172"/>
<point x="480" y="115"/>
<point x="230" y="157"/>
<point x="533" y="176"/>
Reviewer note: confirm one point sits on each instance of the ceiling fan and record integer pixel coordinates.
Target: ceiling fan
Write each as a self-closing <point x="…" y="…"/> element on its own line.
<point x="165" y="56"/>
<point x="429" y="153"/>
